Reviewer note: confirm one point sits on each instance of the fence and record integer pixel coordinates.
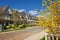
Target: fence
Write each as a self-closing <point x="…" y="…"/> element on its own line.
<point x="52" y="36"/>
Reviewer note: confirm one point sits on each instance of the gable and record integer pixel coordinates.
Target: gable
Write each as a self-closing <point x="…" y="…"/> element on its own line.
<point x="1" y="10"/>
<point x="8" y="11"/>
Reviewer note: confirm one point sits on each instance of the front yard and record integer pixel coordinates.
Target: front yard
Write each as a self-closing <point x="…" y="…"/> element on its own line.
<point x="14" y="28"/>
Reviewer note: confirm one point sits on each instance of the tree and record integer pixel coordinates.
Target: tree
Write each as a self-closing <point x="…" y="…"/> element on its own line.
<point x="52" y="22"/>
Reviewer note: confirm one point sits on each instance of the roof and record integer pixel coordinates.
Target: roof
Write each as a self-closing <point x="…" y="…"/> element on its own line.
<point x="3" y="9"/>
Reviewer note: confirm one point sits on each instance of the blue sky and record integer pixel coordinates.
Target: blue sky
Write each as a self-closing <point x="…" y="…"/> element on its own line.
<point x="22" y="4"/>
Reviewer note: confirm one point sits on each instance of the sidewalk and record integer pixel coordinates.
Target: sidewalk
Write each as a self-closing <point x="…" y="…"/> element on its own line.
<point x="37" y="36"/>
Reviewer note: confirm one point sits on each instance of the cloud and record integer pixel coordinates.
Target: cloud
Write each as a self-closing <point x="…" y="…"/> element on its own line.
<point x="32" y="12"/>
<point x="21" y="10"/>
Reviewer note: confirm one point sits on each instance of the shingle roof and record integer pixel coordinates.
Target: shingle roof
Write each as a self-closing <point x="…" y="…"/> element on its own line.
<point x="1" y="10"/>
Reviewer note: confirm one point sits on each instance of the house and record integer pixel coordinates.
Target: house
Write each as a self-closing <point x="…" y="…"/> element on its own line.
<point x="9" y="16"/>
<point x="16" y="17"/>
<point x="5" y="16"/>
<point x="28" y="19"/>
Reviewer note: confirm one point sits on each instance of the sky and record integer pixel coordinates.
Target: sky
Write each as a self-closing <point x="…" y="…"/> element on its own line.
<point x="26" y="5"/>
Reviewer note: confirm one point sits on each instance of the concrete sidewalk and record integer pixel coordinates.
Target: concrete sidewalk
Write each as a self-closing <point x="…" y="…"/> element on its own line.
<point x="37" y="36"/>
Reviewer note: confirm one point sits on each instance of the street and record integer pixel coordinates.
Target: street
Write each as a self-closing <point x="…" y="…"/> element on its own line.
<point x="20" y="35"/>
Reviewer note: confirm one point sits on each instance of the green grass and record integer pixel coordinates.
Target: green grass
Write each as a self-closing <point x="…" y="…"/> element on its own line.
<point x="43" y="38"/>
<point x="14" y="28"/>
<point x="8" y="30"/>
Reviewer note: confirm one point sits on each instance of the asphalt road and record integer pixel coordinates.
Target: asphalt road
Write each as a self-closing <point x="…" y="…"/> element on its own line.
<point x="21" y="34"/>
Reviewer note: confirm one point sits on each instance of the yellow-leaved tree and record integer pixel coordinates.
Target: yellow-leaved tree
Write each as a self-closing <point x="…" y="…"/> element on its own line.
<point x="51" y="22"/>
